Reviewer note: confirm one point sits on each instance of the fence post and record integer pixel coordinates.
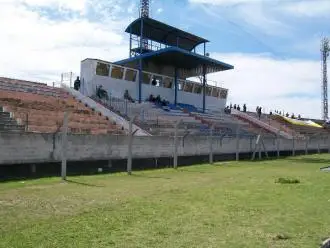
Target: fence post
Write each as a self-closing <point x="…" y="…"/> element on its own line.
<point x="278" y="144"/>
<point x="306" y="148"/>
<point x="130" y="144"/>
<point x="293" y="146"/>
<point x="211" y="146"/>
<point x="237" y="142"/>
<point x="27" y="122"/>
<point x="64" y="146"/>
<point x="126" y="107"/>
<point x="175" y="155"/>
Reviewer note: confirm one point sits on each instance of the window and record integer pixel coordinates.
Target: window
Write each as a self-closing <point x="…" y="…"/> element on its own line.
<point x="223" y="93"/>
<point x="146" y="78"/>
<point x="188" y="87"/>
<point x="180" y="85"/>
<point x="158" y="79"/>
<point x="198" y="89"/>
<point x="208" y="90"/>
<point x="215" y="92"/>
<point x="130" y="75"/>
<point x="117" y="72"/>
<point x="102" y="69"/>
<point x="168" y="82"/>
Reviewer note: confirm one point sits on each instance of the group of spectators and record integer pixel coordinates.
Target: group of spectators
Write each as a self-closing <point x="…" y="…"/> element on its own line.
<point x="158" y="100"/>
<point x="288" y="115"/>
<point x="237" y="107"/>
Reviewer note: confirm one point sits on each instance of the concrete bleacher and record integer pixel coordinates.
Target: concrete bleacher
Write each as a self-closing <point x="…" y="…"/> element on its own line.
<point x="8" y="124"/>
<point x="40" y="108"/>
<point x="302" y="130"/>
<point x="224" y="124"/>
<point x="153" y="118"/>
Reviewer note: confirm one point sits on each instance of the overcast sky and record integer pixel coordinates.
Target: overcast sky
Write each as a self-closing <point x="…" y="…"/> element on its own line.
<point x="273" y="44"/>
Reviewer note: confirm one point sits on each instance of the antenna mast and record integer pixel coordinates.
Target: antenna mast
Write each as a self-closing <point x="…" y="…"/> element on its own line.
<point x="325" y="50"/>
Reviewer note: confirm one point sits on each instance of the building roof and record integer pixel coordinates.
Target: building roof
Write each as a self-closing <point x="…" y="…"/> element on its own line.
<point x="175" y="57"/>
<point x="163" y="33"/>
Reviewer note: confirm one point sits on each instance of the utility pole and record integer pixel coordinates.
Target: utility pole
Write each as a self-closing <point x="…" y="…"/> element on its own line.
<point x="325" y="50"/>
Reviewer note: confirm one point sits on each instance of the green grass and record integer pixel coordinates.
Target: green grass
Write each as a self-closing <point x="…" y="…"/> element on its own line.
<point x="224" y="205"/>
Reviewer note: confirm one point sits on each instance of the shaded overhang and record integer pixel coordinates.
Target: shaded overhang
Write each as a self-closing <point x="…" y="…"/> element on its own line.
<point x="163" y="33"/>
<point x="183" y="60"/>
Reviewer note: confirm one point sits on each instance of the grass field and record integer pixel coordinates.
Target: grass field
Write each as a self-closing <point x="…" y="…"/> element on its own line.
<point x="225" y="205"/>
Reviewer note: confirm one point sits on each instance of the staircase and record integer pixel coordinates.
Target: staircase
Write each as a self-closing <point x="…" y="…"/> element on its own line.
<point x="104" y="111"/>
<point x="8" y="124"/>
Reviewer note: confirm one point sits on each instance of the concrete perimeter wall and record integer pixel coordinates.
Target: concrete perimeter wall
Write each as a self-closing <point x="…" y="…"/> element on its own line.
<point x="41" y="148"/>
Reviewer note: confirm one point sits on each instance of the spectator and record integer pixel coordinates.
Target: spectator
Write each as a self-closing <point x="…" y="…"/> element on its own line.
<point x="151" y="98"/>
<point x="238" y="108"/>
<point x="244" y="107"/>
<point x="270" y="113"/>
<point x="127" y="96"/>
<point x="101" y="93"/>
<point x="292" y="116"/>
<point x="259" y="112"/>
<point x="231" y="106"/>
<point x="154" y="82"/>
<point x="280" y="112"/>
<point x="287" y="114"/>
<point x="76" y="84"/>
<point x="235" y="106"/>
<point x="299" y="117"/>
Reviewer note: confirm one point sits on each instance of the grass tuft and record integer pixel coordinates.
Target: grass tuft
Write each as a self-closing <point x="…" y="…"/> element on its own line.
<point x="281" y="236"/>
<point x="287" y="181"/>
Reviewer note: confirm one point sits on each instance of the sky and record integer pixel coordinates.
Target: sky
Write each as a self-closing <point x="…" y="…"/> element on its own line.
<point x="274" y="45"/>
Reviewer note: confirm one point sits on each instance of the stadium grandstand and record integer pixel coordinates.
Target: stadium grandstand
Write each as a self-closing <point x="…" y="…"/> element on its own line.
<point x="151" y="96"/>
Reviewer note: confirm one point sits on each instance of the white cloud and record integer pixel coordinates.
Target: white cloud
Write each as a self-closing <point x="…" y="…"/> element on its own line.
<point x="290" y="85"/>
<point x="308" y="8"/>
<point x="266" y="15"/>
<point x="35" y="47"/>
<point x="224" y="2"/>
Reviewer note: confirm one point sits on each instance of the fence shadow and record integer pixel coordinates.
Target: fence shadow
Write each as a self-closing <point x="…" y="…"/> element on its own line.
<point x="84" y="184"/>
<point x="152" y="177"/>
<point x="311" y="160"/>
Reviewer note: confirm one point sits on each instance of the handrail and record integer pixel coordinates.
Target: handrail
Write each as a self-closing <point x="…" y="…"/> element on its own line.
<point x="261" y="123"/>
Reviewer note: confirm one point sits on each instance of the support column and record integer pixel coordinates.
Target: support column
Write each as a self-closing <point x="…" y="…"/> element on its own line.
<point x="237" y="142"/>
<point x="211" y="145"/>
<point x="175" y="151"/>
<point x="175" y="86"/>
<point x="64" y="144"/>
<point x="130" y="43"/>
<point x="140" y="64"/>
<point x="204" y="85"/>
<point x="130" y="147"/>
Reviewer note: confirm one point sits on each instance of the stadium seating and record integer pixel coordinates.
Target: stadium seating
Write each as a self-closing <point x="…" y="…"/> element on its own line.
<point x="299" y="129"/>
<point x="40" y="108"/>
<point x="154" y="119"/>
<point x="8" y="124"/>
